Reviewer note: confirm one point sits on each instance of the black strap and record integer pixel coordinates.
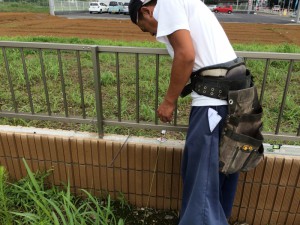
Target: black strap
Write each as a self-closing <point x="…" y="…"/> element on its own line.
<point x="255" y="142"/>
<point x="219" y="87"/>
<point x="215" y="87"/>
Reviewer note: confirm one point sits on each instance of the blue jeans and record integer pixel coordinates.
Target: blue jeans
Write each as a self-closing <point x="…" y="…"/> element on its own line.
<point x="208" y="195"/>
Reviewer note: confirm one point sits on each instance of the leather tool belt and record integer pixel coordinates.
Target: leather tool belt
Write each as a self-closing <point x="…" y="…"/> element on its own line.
<point x="241" y="144"/>
<point x="215" y="81"/>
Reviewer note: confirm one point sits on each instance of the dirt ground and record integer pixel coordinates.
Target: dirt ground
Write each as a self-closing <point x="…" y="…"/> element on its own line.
<point x="29" y="24"/>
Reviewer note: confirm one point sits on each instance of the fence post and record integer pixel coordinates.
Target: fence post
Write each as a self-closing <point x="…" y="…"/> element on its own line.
<point x="52" y="7"/>
<point x="98" y="94"/>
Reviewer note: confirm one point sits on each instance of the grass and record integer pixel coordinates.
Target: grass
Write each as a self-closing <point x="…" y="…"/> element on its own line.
<point x="28" y="201"/>
<point x="33" y="201"/>
<point x="32" y="7"/>
<point x="273" y="94"/>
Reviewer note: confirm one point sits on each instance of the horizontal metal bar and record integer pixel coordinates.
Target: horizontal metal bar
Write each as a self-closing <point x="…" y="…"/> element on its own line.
<point x="282" y="137"/>
<point x="15" y="44"/>
<point x="145" y="125"/>
<point x="269" y="55"/>
<point x="140" y="50"/>
<point x="56" y="118"/>
<point x="134" y="50"/>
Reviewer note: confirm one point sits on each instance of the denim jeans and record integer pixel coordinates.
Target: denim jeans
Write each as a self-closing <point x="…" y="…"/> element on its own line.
<point x="207" y="196"/>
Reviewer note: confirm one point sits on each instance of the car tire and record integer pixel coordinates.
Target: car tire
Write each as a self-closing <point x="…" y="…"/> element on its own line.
<point x="229" y="12"/>
<point x="216" y="11"/>
<point x="100" y="11"/>
<point x="91" y="12"/>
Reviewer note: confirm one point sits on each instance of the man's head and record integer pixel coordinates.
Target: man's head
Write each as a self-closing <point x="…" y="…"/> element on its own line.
<point x="141" y="13"/>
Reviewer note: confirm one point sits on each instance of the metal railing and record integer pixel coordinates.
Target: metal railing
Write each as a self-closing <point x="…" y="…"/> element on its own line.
<point x="122" y="86"/>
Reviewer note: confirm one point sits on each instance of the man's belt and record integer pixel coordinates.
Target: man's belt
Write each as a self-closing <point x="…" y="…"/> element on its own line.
<point x="219" y="70"/>
<point x="211" y="81"/>
<point x="219" y="87"/>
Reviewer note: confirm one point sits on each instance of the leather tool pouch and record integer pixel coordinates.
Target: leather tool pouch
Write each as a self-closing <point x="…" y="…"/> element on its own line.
<point x="241" y="146"/>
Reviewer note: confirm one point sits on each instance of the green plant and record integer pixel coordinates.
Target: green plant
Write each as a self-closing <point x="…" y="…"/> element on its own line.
<point x="29" y="202"/>
<point x="122" y="200"/>
<point x="5" y="216"/>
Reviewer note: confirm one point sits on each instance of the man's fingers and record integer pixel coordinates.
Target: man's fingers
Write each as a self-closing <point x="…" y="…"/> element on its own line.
<point x="165" y="119"/>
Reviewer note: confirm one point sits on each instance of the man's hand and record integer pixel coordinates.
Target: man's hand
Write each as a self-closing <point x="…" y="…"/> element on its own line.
<point x="182" y="66"/>
<point x="165" y="111"/>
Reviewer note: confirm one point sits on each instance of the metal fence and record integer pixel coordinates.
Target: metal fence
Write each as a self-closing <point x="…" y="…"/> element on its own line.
<point x="65" y="6"/>
<point x="122" y="86"/>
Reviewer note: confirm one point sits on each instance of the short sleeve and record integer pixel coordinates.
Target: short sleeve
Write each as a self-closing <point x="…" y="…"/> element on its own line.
<point x="171" y="16"/>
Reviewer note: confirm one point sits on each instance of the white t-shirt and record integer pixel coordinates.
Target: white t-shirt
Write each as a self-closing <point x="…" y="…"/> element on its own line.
<point x="210" y="41"/>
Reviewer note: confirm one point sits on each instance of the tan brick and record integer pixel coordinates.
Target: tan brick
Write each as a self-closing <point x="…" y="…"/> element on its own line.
<point x="80" y="151"/>
<point x="95" y="153"/>
<point x="288" y="196"/>
<point x="102" y="154"/>
<point x="138" y="157"/>
<point x="254" y="196"/>
<point x="282" y="218"/>
<point x="250" y="176"/>
<point x="277" y="169"/>
<point x="266" y="217"/>
<point x="169" y="160"/>
<point x="146" y="158"/>
<point x="271" y="197"/>
<point x="286" y="171"/>
<point x="262" y="197"/>
<point x="53" y="153"/>
<point x="177" y="160"/>
<point x="242" y="214"/>
<point x="279" y="199"/>
<point x="268" y="170"/>
<point x="290" y="219"/>
<point x="246" y="195"/>
<point x="87" y="151"/>
<point x="31" y="145"/>
<point x="295" y="201"/>
<point x="124" y="157"/>
<point x="297" y="219"/>
<point x="59" y="149"/>
<point x="238" y="194"/>
<point x="257" y="217"/>
<point x="250" y="215"/>
<point x="274" y="218"/>
<point x="259" y="171"/>
<point x="114" y="159"/>
<point x="294" y="174"/>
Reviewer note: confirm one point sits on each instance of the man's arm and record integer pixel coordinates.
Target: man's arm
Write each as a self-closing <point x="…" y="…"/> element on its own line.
<point x="182" y="66"/>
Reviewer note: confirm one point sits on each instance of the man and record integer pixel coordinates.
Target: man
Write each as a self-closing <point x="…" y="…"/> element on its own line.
<point x="195" y="40"/>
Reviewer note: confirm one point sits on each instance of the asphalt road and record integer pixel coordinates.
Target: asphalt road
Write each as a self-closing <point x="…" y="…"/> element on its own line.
<point x="222" y="17"/>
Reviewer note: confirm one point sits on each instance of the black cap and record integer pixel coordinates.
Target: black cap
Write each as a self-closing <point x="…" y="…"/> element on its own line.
<point x="134" y="7"/>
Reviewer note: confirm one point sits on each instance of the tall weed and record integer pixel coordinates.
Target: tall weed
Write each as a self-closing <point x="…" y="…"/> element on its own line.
<point x="28" y="202"/>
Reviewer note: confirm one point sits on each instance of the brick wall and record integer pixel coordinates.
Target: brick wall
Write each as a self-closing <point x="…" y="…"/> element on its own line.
<point x="148" y="174"/>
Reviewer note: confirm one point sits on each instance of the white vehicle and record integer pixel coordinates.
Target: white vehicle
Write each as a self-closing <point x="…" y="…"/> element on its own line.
<point x="115" y="7"/>
<point x="212" y="7"/>
<point x="98" y="7"/>
<point x="276" y="8"/>
<point x="125" y="8"/>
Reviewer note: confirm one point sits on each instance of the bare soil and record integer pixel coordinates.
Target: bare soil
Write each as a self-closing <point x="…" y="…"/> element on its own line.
<point x="38" y="24"/>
